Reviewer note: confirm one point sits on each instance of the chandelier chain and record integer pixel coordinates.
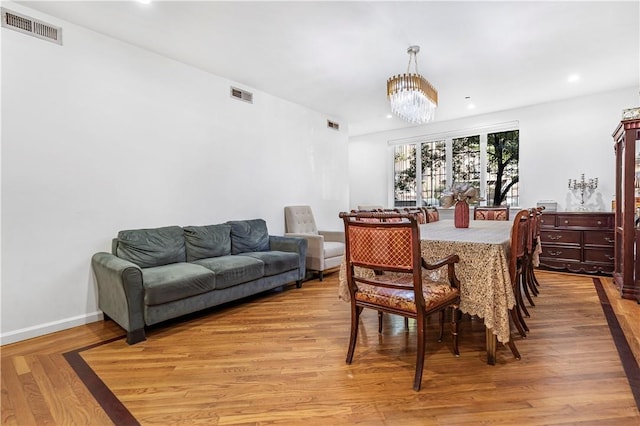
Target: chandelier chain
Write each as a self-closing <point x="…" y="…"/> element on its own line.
<point x="412" y="55"/>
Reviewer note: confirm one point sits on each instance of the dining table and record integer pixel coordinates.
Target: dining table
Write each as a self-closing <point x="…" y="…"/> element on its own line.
<point x="483" y="271"/>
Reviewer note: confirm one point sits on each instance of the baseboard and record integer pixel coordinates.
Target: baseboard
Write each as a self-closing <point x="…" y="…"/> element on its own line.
<point x="48" y="328"/>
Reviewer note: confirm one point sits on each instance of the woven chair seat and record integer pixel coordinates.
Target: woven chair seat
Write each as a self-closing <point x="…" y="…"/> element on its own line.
<point x="436" y="293"/>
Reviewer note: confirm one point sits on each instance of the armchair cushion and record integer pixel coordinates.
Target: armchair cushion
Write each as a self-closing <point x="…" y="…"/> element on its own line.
<point x="207" y="241"/>
<point x="249" y="236"/>
<point x="151" y="247"/>
<point x="333" y="249"/>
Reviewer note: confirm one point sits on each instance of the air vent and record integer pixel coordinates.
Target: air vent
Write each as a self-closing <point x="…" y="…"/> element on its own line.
<point x="242" y="95"/>
<point x="333" y="125"/>
<point x="30" y="26"/>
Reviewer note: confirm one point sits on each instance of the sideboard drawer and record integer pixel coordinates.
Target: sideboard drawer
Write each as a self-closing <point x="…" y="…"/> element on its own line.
<point x="598" y="255"/>
<point x="599" y="238"/>
<point x="583" y="221"/>
<point x="560" y="237"/>
<point x="548" y="220"/>
<point x="559" y="252"/>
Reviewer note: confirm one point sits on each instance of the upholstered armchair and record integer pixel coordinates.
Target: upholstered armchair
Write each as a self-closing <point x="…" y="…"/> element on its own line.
<point x="325" y="249"/>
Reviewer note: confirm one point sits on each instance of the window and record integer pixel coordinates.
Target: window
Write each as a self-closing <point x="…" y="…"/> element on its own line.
<point x="465" y="155"/>
<point x="434" y="172"/>
<point x="487" y="160"/>
<point x="502" y="168"/>
<point x="404" y="175"/>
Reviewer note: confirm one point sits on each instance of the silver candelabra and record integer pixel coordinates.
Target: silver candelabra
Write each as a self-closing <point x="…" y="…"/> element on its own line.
<point x="583" y="185"/>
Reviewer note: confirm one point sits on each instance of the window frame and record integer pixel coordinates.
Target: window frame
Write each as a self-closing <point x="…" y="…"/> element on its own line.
<point x="448" y="137"/>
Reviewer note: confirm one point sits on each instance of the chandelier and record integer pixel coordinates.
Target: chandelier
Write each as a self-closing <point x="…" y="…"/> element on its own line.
<point x="411" y="96"/>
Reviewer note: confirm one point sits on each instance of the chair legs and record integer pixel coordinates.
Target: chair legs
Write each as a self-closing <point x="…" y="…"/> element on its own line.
<point x="455" y="317"/>
<point x="513" y="348"/>
<point x="516" y="312"/>
<point x="527" y="285"/>
<point x="417" y="381"/>
<point x="421" y="338"/>
<point x="420" y="322"/>
<point x="355" y="321"/>
<point x="532" y="281"/>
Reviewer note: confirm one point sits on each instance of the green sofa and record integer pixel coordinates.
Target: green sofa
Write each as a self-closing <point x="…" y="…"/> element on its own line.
<point x="153" y="275"/>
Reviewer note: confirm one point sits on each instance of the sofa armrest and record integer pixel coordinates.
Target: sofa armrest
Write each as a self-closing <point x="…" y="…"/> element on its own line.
<point x="292" y="244"/>
<point x="315" y="244"/>
<point x="336" y="236"/>
<point x="120" y="293"/>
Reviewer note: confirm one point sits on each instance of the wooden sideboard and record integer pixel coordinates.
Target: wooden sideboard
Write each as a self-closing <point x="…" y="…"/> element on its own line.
<point x="581" y="242"/>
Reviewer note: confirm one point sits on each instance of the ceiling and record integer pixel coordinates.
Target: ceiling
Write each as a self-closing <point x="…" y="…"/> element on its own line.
<point x="335" y="57"/>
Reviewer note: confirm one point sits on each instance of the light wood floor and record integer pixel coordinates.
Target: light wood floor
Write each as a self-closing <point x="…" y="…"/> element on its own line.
<point x="279" y="359"/>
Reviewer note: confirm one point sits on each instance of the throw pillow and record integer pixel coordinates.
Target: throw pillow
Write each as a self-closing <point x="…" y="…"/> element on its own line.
<point x="249" y="236"/>
<point x="203" y="242"/>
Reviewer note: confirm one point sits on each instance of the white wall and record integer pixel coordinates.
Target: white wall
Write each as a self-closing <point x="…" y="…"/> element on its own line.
<point x="558" y="142"/>
<point x="99" y="136"/>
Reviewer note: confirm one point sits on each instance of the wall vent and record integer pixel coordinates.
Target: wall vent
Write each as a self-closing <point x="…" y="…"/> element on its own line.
<point x="333" y="125"/>
<point x="30" y="26"/>
<point x="242" y="95"/>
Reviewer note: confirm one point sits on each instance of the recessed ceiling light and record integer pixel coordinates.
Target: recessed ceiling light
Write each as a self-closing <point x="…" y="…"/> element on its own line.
<point x="389" y="116"/>
<point x="470" y="105"/>
<point x="573" y="78"/>
<point x="144" y="1"/>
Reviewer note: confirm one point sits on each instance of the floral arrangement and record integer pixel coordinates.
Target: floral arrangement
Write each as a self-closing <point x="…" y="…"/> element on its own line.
<point x="459" y="192"/>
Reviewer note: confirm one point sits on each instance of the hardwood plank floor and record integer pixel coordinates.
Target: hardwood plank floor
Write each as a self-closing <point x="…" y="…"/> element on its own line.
<point x="278" y="358"/>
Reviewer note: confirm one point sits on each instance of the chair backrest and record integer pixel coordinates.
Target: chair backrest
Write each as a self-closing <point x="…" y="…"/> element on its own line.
<point x="363" y="215"/>
<point x="491" y="213"/>
<point x="384" y="246"/>
<point x="519" y="241"/>
<point x="534" y="228"/>
<point x="421" y="215"/>
<point x="299" y="220"/>
<point x="432" y="214"/>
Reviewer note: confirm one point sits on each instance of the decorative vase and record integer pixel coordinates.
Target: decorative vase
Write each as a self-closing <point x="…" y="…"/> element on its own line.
<point x="461" y="214"/>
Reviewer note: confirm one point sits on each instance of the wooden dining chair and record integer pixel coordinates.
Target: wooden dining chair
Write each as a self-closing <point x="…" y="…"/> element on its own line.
<point x="491" y="213"/>
<point x="419" y="212"/>
<point x="533" y="249"/>
<point x="517" y="261"/>
<point x="403" y="286"/>
<point x="432" y="214"/>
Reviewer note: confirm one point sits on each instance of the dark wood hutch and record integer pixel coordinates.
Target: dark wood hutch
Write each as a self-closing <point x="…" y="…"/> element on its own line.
<point x="627" y="151"/>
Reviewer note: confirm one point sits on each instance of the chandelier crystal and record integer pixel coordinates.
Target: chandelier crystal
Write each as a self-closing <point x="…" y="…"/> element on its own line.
<point x="411" y="96"/>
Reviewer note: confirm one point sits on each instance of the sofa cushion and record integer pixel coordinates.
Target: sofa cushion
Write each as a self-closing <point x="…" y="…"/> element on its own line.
<point x="167" y="283"/>
<point x="249" y="235"/>
<point x="207" y="241"/>
<point x="233" y="270"/>
<point x="151" y="247"/>
<point x="276" y="262"/>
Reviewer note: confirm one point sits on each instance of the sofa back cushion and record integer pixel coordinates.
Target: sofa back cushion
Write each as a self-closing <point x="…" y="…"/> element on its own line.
<point x="203" y="242"/>
<point x="249" y="236"/>
<point x="151" y="247"/>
